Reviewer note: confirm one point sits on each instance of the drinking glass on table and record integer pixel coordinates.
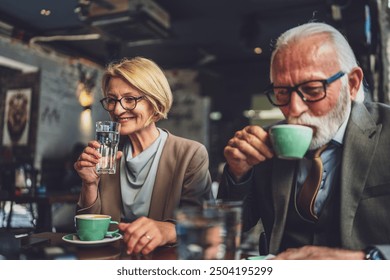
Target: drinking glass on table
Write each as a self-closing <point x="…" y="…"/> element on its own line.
<point x="201" y="234"/>
<point x="107" y="134"/>
<point x="231" y="211"/>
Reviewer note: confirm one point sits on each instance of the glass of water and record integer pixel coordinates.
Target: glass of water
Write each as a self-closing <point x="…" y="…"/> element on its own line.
<point x="231" y="211"/>
<point x="201" y="234"/>
<point x="107" y="134"/>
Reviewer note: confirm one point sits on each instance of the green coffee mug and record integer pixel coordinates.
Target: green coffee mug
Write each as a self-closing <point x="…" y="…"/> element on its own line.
<point x="92" y="227"/>
<point x="290" y="141"/>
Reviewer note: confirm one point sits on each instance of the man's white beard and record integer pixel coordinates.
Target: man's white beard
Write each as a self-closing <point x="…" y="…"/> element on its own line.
<point x="326" y="126"/>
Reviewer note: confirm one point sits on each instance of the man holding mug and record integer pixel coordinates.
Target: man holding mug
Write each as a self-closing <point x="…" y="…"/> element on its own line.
<point x="316" y="82"/>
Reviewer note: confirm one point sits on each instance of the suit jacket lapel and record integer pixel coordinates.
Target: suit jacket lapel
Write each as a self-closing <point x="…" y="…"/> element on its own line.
<point x="110" y="189"/>
<point x="359" y="146"/>
<point x="281" y="192"/>
<point x="161" y="192"/>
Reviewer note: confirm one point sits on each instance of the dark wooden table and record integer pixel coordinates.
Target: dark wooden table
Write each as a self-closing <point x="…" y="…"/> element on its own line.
<point x="44" y="203"/>
<point x="112" y="251"/>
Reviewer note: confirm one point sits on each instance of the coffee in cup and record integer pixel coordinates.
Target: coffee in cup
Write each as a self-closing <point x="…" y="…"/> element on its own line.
<point x="92" y="227"/>
<point x="290" y="141"/>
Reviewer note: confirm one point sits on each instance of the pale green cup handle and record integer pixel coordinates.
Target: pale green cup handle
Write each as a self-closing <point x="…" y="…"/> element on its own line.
<point x="114" y="231"/>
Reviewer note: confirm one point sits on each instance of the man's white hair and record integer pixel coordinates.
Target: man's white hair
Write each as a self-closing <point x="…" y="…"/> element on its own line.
<point x="345" y="55"/>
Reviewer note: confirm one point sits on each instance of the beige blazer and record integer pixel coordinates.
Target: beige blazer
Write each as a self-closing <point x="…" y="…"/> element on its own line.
<point x="182" y="179"/>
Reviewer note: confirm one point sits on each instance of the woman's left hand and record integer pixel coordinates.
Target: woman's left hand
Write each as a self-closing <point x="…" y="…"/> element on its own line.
<point x="144" y="235"/>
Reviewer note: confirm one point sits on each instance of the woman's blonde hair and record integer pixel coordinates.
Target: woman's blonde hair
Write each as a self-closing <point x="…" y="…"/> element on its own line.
<point x="147" y="77"/>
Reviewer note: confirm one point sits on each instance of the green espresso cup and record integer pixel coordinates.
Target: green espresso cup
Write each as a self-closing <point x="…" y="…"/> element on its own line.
<point x="92" y="227"/>
<point x="290" y="141"/>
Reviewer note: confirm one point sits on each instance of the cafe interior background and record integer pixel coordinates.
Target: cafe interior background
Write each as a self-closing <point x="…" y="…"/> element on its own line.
<point x="215" y="54"/>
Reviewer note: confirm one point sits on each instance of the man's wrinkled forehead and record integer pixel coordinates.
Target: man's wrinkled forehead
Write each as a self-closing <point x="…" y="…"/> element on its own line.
<point x="305" y="52"/>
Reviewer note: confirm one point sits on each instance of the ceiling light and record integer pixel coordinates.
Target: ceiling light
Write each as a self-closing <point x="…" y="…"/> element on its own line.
<point x="215" y="116"/>
<point x="257" y="50"/>
<point x="45" y="12"/>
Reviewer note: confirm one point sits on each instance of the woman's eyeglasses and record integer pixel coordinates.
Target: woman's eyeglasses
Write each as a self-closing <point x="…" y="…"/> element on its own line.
<point x="127" y="102"/>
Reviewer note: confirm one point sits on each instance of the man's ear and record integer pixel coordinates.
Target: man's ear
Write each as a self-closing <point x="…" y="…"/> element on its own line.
<point x="355" y="79"/>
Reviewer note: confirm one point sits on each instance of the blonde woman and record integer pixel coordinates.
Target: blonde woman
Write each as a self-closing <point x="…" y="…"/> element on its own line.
<point x="158" y="171"/>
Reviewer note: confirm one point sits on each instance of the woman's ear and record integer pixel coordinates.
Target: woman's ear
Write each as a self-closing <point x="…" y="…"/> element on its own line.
<point x="355" y="79"/>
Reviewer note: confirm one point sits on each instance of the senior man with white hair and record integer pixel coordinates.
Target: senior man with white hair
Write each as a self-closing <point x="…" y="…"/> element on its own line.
<point x="316" y="82"/>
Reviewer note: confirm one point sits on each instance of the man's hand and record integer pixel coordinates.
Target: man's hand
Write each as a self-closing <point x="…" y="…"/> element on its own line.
<point x="247" y="148"/>
<point x="319" y="253"/>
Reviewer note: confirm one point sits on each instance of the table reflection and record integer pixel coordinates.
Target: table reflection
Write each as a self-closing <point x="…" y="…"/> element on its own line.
<point x="53" y="247"/>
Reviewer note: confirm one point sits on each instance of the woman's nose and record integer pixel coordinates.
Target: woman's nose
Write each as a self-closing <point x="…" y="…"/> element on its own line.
<point x="118" y="108"/>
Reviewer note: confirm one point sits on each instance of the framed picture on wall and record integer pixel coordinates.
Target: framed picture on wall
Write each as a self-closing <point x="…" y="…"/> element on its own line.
<point x="19" y="116"/>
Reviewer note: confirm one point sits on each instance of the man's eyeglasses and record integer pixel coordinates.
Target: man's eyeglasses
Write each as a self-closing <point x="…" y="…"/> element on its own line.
<point x="310" y="91"/>
<point x="127" y="102"/>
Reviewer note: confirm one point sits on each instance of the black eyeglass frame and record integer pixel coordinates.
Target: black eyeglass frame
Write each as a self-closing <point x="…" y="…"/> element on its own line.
<point x="136" y="99"/>
<point x="270" y="89"/>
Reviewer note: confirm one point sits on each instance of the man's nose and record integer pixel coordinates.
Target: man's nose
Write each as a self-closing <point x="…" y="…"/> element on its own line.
<point x="297" y="105"/>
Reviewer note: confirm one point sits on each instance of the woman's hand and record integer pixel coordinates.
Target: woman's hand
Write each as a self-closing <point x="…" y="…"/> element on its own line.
<point x="144" y="235"/>
<point x="86" y="163"/>
<point x="86" y="169"/>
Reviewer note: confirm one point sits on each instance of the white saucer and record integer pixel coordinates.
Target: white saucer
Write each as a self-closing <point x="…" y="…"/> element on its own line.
<point x="74" y="239"/>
